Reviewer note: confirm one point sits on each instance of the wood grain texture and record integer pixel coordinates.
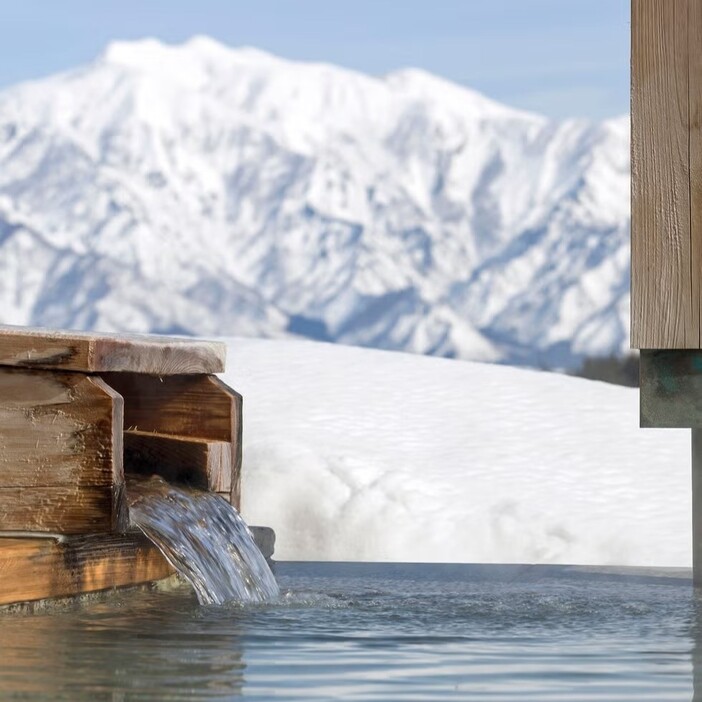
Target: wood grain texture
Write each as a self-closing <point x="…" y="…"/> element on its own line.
<point x="200" y="463"/>
<point x="97" y="353"/>
<point x="695" y="147"/>
<point x="57" y="429"/>
<point x="60" y="453"/>
<point x="665" y="304"/>
<point x="237" y="440"/>
<point x="36" y="568"/>
<point x="200" y="407"/>
<point x="62" y="510"/>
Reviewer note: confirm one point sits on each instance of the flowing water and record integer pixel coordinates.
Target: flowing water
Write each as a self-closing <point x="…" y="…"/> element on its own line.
<point x="373" y="632"/>
<point x="205" y="539"/>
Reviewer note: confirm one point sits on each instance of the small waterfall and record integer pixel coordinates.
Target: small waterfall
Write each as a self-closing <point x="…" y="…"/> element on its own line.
<point x="205" y="539"/>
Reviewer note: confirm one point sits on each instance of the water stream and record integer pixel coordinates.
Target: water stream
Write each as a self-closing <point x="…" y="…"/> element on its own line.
<point x="205" y="539"/>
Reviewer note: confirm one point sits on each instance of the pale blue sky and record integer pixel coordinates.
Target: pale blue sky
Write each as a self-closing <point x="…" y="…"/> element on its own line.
<point x="559" y="57"/>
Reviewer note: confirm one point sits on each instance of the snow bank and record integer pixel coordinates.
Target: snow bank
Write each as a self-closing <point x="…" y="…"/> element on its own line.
<point x="356" y="454"/>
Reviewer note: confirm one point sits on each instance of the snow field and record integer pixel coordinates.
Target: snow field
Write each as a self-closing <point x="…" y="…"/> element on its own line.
<point x="356" y="454"/>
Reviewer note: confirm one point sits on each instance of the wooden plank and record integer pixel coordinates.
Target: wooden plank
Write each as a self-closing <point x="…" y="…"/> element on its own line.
<point x="190" y="406"/>
<point x="671" y="388"/>
<point x="60" y="453"/>
<point x="61" y="510"/>
<point x="237" y="431"/>
<point x="201" y="463"/>
<point x="58" y="429"/>
<point x="91" y="352"/>
<point x="35" y="568"/>
<point x="665" y="304"/>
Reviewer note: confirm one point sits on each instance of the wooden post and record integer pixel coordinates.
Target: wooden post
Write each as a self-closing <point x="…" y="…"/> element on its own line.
<point x="666" y="223"/>
<point x="665" y="238"/>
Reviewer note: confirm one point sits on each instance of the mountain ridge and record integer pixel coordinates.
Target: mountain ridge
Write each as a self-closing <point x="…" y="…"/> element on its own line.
<point x="207" y="190"/>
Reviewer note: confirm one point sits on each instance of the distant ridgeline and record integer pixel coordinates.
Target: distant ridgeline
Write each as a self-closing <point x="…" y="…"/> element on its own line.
<point x="620" y="370"/>
<point x="199" y="189"/>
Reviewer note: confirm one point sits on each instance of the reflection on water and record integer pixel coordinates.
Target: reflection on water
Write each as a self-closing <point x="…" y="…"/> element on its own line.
<point x="137" y="645"/>
<point x="373" y="632"/>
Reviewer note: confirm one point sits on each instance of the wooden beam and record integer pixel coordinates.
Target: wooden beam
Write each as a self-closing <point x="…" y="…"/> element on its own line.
<point x="58" y="429"/>
<point x="91" y="352"/>
<point x="36" y="568"/>
<point x="178" y="405"/>
<point x="665" y="304"/>
<point x="200" y="407"/>
<point x="237" y="426"/>
<point x="63" y="510"/>
<point x="201" y="463"/>
<point x="60" y="453"/>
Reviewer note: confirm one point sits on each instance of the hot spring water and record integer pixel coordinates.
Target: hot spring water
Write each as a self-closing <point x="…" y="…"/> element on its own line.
<point x="355" y="631"/>
<point x="205" y="539"/>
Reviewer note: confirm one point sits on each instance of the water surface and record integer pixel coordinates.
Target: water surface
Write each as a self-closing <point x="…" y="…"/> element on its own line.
<point x="372" y="632"/>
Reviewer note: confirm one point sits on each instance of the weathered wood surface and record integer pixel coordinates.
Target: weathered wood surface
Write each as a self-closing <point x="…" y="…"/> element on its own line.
<point x="97" y="352"/>
<point x="200" y="407"/>
<point x="62" y="510"/>
<point x="201" y="463"/>
<point x="671" y="388"/>
<point x="39" y="568"/>
<point x="60" y="453"/>
<point x="666" y="226"/>
<point x="237" y="428"/>
<point x="695" y="147"/>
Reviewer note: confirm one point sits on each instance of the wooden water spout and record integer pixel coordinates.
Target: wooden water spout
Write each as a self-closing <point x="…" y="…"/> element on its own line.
<point x="81" y="412"/>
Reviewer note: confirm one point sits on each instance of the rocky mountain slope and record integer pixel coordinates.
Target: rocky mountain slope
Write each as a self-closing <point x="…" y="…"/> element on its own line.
<point x="207" y="190"/>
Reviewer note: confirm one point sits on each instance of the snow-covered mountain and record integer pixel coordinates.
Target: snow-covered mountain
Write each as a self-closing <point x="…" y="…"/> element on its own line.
<point x="202" y="189"/>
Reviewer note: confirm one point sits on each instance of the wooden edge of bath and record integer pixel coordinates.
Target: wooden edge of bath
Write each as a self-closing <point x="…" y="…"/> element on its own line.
<point x="41" y="568"/>
<point x="91" y="352"/>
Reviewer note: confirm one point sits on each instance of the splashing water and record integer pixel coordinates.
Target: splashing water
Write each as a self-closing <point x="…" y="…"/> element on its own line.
<point x="205" y="539"/>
